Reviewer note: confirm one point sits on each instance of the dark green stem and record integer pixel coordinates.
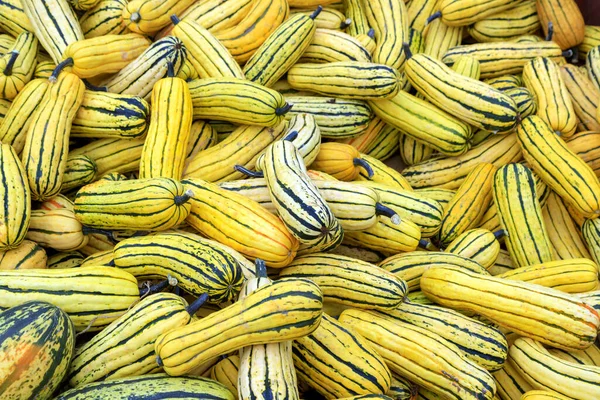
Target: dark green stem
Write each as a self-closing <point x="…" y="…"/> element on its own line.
<point x="170" y="69"/>
<point x="575" y="57"/>
<point x="11" y="62"/>
<point x="86" y="230"/>
<point x="406" y="48"/>
<point x="62" y="65"/>
<point x="381" y="209"/>
<point x="283" y="110"/>
<point x="196" y="304"/>
<point x="359" y="162"/>
<point x="159" y="287"/>
<point x="316" y="13"/>
<point x="261" y="268"/>
<point x="94" y="88"/>
<point x="424" y="244"/>
<point x="499" y="234"/>
<point x="371" y="33"/>
<point x="175" y="20"/>
<point x="184" y="198"/>
<point x="346" y="23"/>
<point x="567" y="53"/>
<point x="550" y="31"/>
<point x="135" y="17"/>
<point x="247" y="172"/>
<point x="434" y="16"/>
<point x="290" y="137"/>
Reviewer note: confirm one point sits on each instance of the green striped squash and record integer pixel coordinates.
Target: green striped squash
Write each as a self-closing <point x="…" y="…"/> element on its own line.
<point x="307" y="140"/>
<point x="338" y="363"/>
<point x="238" y="101"/>
<point x="145" y="204"/>
<point x="383" y="174"/>
<point x="354" y="9"/>
<point x="101" y="258"/>
<point x="504" y="82"/>
<point x="466" y="208"/>
<point x="226" y="371"/>
<point x="111" y="115"/>
<point x="37" y="342"/>
<point x="241" y="147"/>
<point x="281" y="50"/>
<point x="524" y="99"/>
<point x="591" y="235"/>
<point x="345" y="79"/>
<point x="470" y="100"/>
<point x="169" y="129"/>
<point x="206" y="56"/>
<point x="14" y="125"/>
<point x="255" y="189"/>
<point x="424" y="122"/>
<point x="348" y="281"/>
<point x="17" y="202"/>
<point x="56" y="228"/>
<point x="18" y="65"/>
<point x="202" y="136"/>
<point x="150" y="387"/>
<point x="390" y="22"/>
<point x="559" y="167"/>
<point x="502" y="58"/>
<point x="214" y="15"/>
<point x="356" y="207"/>
<point x="555" y="318"/>
<point x="543" y="78"/>
<point x="198" y="266"/>
<point x="297" y="200"/>
<point x="45" y="153"/>
<point x="520" y="215"/>
<point x="243" y="224"/>
<point x="138" y="78"/>
<point x="589" y="356"/>
<point x="479" y="245"/>
<point x="336" y="118"/>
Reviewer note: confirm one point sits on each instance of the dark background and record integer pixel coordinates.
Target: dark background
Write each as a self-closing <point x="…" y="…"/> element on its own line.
<point x="590" y="10"/>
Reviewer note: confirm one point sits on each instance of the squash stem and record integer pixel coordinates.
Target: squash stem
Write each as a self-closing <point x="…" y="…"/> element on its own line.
<point x="11" y="62"/>
<point x="359" y="162"/>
